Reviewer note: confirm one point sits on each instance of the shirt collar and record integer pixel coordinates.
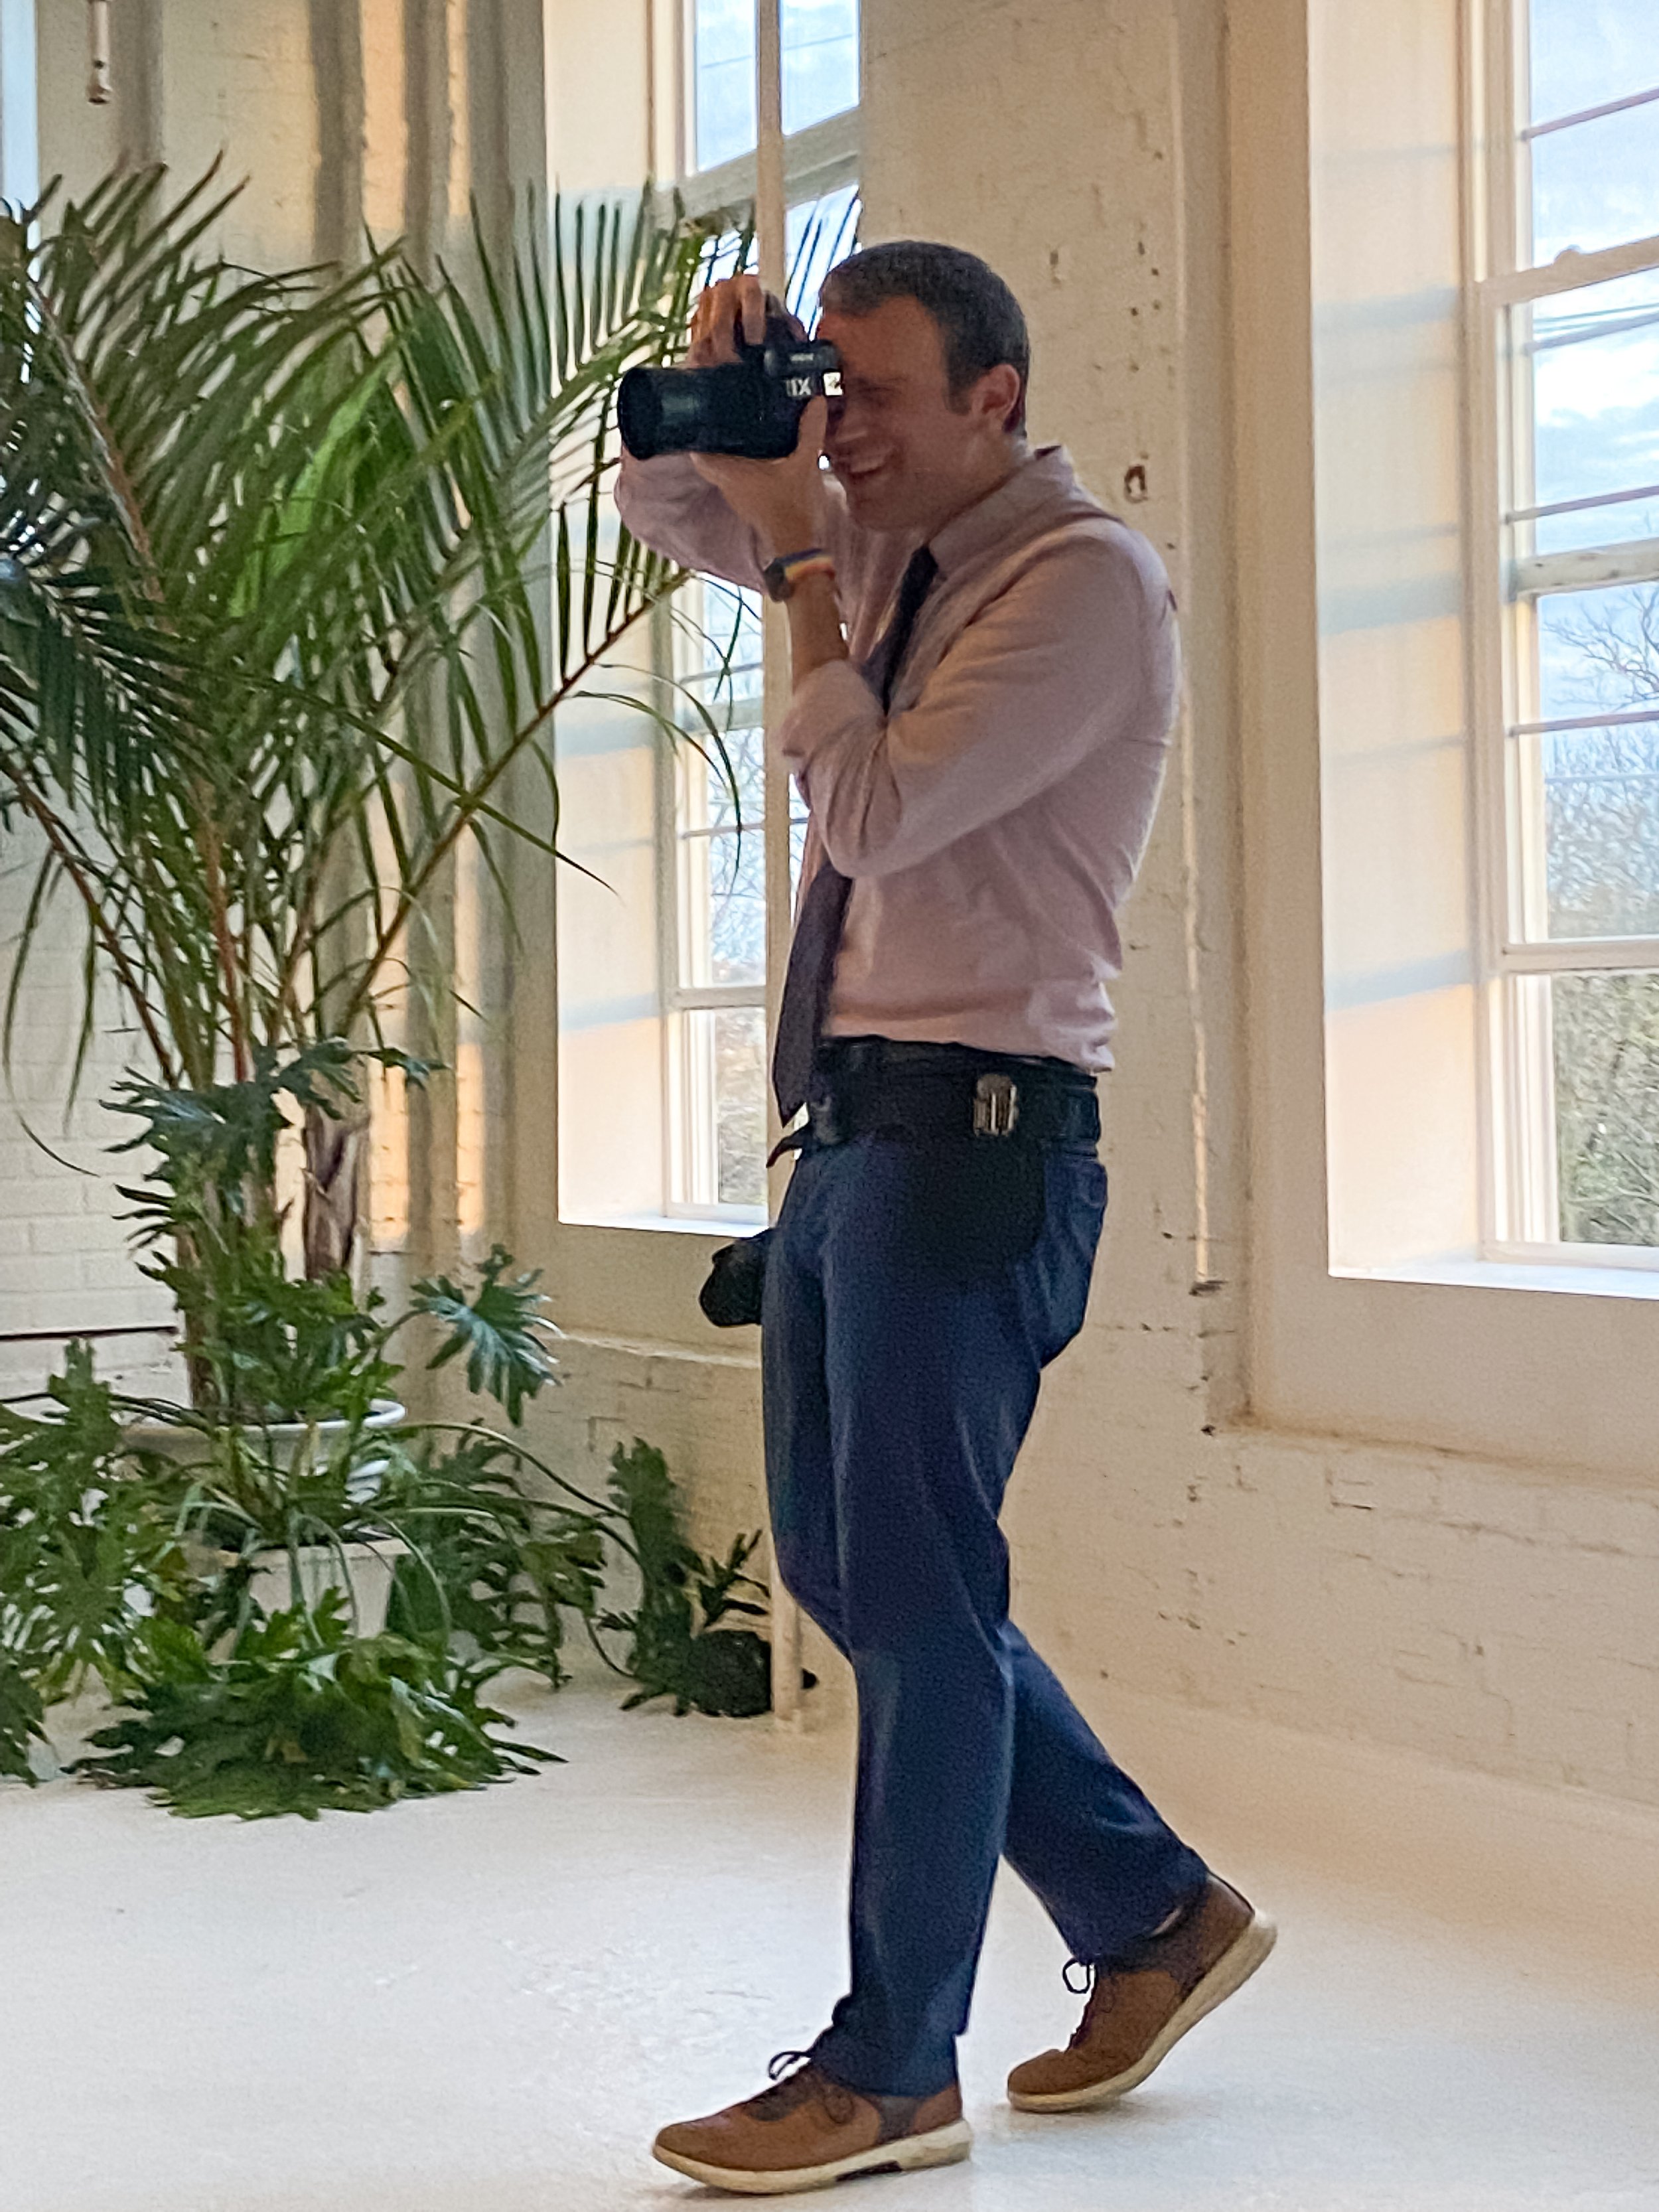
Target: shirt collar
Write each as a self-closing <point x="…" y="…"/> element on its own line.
<point x="1042" y="478"/>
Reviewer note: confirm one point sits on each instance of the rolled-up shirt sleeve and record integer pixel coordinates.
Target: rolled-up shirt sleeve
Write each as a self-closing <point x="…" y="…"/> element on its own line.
<point x="669" y="506"/>
<point x="1080" y="651"/>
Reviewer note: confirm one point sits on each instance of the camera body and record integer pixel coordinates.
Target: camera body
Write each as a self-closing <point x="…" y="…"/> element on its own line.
<point x="751" y="406"/>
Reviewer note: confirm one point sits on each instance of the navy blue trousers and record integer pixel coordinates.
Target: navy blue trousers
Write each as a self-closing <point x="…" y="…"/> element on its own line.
<point x="907" y="1322"/>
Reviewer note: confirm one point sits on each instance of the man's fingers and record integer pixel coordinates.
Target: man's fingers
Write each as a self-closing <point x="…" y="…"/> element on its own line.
<point x="814" y="427"/>
<point x="723" y="308"/>
<point x="753" y="299"/>
<point x="713" y="323"/>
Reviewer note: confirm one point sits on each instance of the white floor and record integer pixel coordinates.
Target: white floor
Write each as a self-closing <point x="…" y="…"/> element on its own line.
<point x="487" y="2004"/>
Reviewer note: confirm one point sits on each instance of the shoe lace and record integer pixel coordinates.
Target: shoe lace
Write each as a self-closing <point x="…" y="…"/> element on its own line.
<point x="1098" y="1984"/>
<point x="1099" y="1978"/>
<point x="795" y="2076"/>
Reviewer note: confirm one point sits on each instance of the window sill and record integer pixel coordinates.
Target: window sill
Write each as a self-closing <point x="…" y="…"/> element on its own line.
<point x="747" y="1223"/>
<point x="1615" y="1279"/>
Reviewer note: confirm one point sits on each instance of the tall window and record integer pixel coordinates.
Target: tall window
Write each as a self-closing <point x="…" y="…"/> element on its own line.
<point x="716" y="791"/>
<point x="714" y="910"/>
<point x="820" y="43"/>
<point x="1565" y="347"/>
<point x="19" y="178"/>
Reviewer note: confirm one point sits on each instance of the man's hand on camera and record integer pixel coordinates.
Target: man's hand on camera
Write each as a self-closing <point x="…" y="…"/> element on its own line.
<point x="723" y="307"/>
<point x="782" y="500"/>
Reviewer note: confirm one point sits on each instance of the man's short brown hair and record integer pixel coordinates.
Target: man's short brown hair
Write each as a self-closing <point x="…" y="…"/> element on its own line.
<point x="979" y="319"/>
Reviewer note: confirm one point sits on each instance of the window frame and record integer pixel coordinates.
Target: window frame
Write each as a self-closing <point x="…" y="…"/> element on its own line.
<point x="781" y="173"/>
<point x="690" y="1163"/>
<point x="1519" y="1196"/>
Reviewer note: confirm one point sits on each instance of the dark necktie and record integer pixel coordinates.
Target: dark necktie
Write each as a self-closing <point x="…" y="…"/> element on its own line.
<point x="816" y="939"/>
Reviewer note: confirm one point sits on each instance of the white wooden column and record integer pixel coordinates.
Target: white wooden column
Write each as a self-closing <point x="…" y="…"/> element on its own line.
<point x="769" y="229"/>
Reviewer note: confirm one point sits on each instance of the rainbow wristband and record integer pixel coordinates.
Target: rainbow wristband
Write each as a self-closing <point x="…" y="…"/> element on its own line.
<point x="783" y="575"/>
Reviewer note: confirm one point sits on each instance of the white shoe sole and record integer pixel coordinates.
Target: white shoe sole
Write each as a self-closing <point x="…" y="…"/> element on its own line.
<point x="1230" y="1971"/>
<point x="938" y="2147"/>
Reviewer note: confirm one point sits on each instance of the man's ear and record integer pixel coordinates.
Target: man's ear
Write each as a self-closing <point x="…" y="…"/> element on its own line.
<point x="996" y="394"/>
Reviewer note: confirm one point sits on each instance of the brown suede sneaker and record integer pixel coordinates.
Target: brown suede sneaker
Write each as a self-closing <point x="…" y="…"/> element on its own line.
<point x="806" y="2131"/>
<point x="1141" y="2005"/>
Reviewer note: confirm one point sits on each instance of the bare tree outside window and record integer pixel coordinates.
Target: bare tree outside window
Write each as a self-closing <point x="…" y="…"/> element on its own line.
<point x="1603" y="788"/>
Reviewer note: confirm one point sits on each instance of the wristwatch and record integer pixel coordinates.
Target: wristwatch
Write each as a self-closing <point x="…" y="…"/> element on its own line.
<point x="781" y="576"/>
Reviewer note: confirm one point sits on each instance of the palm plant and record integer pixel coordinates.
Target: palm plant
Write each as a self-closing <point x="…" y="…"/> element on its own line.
<point x="295" y="569"/>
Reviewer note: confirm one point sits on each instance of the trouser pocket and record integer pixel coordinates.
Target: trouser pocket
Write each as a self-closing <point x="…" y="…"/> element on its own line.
<point x="976" y="1206"/>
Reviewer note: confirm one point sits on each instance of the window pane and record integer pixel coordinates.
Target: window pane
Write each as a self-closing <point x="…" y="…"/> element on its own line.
<point x="1585" y="53"/>
<point x="1597" y="183"/>
<point x="740" y="1078"/>
<point x="1598" y="653"/>
<point x="718" y="640"/>
<point x="1602" y="830"/>
<point x="819" y="233"/>
<point x="731" y="1040"/>
<point x="820" y="60"/>
<point x="1595" y="394"/>
<point x="736" y="786"/>
<point x="1607" y="1106"/>
<point x="723" y="71"/>
<point x="737" y="907"/>
<point x="723" y="908"/>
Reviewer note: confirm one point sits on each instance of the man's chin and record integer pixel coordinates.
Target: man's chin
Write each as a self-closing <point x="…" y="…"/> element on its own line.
<point x="874" y="503"/>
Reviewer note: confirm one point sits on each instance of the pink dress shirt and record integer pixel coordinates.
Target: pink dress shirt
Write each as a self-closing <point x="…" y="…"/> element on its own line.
<point x="992" y="819"/>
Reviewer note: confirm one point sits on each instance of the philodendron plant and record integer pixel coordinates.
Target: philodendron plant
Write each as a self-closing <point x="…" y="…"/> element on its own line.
<point x="295" y="569"/>
<point x="137" y="1534"/>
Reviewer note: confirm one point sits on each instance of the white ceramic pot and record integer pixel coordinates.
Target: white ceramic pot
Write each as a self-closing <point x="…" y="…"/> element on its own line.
<point x="366" y="1580"/>
<point x="287" y="1442"/>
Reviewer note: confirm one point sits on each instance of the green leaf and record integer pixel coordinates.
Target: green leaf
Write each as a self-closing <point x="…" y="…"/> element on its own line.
<point x="677" y="1650"/>
<point x="22" y="1720"/>
<point x="305" y="1718"/>
<point x="495" y="1328"/>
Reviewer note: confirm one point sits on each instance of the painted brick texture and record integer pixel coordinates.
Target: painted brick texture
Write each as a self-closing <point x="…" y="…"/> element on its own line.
<point x="63" y="1260"/>
<point x="1489" y="1616"/>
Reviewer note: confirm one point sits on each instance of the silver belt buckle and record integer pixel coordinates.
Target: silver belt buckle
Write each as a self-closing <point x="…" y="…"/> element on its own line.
<point x="996" y="1105"/>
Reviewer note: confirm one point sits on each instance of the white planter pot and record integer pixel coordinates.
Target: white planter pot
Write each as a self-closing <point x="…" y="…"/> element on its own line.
<point x="367" y="1567"/>
<point x="366" y="1582"/>
<point x="289" y="1443"/>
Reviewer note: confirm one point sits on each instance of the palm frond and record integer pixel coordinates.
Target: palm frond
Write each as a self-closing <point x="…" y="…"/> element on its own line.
<point x="294" y="567"/>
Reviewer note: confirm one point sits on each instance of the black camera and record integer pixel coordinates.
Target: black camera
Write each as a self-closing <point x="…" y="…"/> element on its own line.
<point x="751" y="406"/>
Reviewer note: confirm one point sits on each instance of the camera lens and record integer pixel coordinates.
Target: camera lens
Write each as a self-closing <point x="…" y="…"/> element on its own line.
<point x="639" y="411"/>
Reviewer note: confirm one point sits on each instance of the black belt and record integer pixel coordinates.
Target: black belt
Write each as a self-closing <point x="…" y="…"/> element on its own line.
<point x="865" y="1086"/>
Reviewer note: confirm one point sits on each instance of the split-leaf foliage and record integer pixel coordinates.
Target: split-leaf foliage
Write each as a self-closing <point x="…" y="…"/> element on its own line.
<point x="295" y="569"/>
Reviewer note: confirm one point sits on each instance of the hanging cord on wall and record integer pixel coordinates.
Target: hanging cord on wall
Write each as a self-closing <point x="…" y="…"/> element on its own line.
<point x="99" y="88"/>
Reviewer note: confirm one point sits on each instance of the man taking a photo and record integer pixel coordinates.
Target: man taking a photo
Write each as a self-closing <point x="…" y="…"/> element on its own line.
<point x="985" y="675"/>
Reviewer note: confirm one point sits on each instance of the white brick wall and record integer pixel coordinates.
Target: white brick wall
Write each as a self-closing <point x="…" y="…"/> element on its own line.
<point x="701" y="1411"/>
<point x="64" y="1259"/>
<point x="1482" y="1615"/>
